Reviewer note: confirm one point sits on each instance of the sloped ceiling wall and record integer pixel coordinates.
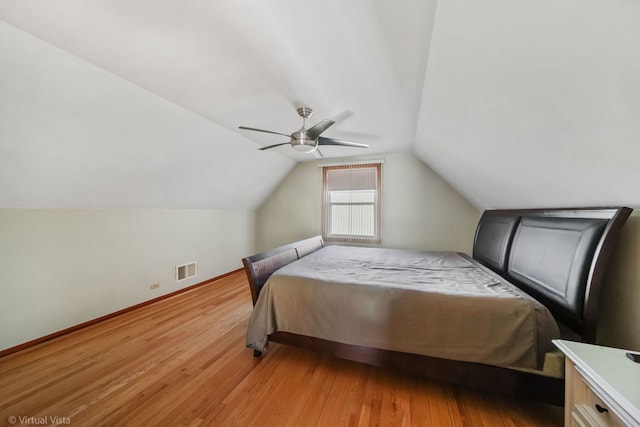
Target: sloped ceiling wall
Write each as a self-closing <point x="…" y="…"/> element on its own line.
<point x="534" y="103"/>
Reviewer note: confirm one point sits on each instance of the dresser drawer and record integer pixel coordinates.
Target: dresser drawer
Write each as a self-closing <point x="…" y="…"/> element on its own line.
<point x="588" y="410"/>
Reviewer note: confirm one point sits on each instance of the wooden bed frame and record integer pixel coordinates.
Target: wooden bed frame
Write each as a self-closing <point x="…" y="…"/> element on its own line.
<point x="480" y="376"/>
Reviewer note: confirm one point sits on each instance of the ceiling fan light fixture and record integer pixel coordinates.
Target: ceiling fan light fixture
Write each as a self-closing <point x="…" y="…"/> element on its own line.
<point x="304" y="148"/>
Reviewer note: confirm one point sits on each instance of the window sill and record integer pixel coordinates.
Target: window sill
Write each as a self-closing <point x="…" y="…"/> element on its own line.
<point x="351" y="240"/>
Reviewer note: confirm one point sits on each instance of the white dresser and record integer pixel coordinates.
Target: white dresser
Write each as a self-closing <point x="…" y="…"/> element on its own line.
<point x="602" y="386"/>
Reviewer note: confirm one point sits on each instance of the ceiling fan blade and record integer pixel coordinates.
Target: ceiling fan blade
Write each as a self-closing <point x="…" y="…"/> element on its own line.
<point x="330" y="141"/>
<point x="274" y="145"/>
<point x="317" y="153"/>
<point x="317" y="129"/>
<point x="262" y="130"/>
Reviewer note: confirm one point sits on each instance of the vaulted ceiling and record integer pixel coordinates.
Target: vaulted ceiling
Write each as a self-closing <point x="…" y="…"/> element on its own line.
<point x="137" y="104"/>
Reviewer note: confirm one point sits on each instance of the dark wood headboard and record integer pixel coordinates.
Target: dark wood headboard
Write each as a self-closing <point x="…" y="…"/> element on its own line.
<point x="558" y="256"/>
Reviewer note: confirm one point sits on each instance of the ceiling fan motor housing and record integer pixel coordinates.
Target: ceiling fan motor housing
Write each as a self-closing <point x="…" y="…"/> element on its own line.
<point x="300" y="142"/>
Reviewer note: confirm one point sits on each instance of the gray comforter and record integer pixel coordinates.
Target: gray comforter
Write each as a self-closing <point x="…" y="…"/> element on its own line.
<point x="440" y="304"/>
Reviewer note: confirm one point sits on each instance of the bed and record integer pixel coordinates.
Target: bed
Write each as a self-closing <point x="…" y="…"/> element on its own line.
<point x="484" y="320"/>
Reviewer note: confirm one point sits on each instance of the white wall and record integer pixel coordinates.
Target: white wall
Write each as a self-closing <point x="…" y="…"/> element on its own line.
<point x="419" y="209"/>
<point x="619" y="320"/>
<point x="62" y="267"/>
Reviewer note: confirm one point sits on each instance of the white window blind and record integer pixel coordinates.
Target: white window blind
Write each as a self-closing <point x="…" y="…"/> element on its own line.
<point x="351" y="203"/>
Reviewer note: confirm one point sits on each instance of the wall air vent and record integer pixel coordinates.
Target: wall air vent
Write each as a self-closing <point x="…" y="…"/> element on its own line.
<point x="186" y="271"/>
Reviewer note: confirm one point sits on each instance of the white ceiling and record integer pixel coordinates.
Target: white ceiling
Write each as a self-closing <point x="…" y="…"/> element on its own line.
<point x="534" y="103"/>
<point x="108" y="103"/>
<point x="228" y="63"/>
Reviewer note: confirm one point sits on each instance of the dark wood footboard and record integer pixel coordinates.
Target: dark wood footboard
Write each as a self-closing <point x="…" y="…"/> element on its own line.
<point x="259" y="267"/>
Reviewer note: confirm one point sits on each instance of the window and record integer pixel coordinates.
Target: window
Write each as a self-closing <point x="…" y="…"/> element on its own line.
<point x="351" y="203"/>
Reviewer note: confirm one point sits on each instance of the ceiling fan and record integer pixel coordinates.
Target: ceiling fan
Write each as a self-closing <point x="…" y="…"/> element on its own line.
<point x="307" y="140"/>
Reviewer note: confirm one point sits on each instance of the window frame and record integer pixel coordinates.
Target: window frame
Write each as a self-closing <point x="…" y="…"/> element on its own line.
<point x="326" y="205"/>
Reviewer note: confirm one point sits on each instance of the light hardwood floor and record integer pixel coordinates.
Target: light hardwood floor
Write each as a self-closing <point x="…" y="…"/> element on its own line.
<point x="182" y="362"/>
